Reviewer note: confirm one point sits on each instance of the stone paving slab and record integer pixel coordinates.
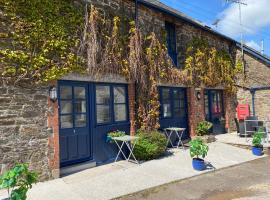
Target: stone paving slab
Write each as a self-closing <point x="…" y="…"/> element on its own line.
<point x="121" y="178"/>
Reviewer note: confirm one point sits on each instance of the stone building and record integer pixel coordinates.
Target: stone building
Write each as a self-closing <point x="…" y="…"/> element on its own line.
<point x="257" y="71"/>
<point x="52" y="135"/>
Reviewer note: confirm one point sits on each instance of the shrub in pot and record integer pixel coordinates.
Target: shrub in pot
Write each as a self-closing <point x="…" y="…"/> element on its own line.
<point x="150" y="145"/>
<point x="203" y="128"/>
<point x="257" y="147"/>
<point x="18" y="181"/>
<point x="202" y="131"/>
<point x="198" y="151"/>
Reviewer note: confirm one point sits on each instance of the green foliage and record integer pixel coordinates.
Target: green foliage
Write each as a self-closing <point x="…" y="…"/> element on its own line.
<point x="203" y="128"/>
<point x="19" y="180"/>
<point x="198" y="148"/>
<point x="150" y="145"/>
<point x="44" y="35"/>
<point x="257" y="139"/>
<point x="116" y="133"/>
<point x="211" y="66"/>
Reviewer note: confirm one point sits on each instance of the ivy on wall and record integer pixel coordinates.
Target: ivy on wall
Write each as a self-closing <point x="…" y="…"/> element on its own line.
<point x="206" y="65"/>
<point x="52" y="38"/>
<point x="41" y="38"/>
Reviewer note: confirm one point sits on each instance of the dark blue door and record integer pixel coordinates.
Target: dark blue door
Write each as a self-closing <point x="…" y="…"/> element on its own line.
<point x="75" y="140"/>
<point x="173" y="108"/>
<point x="214" y="110"/>
<point x="111" y="113"/>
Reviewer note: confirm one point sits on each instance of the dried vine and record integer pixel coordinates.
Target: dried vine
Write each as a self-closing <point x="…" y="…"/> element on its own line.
<point x="104" y="49"/>
<point x="206" y="65"/>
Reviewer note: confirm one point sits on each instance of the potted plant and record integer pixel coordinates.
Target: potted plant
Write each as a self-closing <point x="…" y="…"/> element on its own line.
<point x="257" y="147"/>
<point x="18" y="181"/>
<point x="115" y="133"/>
<point x="203" y="128"/>
<point x="202" y="131"/>
<point x="198" y="151"/>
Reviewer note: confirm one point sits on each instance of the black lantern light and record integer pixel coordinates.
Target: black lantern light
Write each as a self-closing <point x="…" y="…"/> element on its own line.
<point x="53" y="93"/>
<point x="198" y="93"/>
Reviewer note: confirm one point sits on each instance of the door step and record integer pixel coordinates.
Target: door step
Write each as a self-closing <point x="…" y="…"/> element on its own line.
<point x="64" y="171"/>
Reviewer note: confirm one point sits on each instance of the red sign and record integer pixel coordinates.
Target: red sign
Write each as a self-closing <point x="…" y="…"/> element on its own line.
<point x="242" y="111"/>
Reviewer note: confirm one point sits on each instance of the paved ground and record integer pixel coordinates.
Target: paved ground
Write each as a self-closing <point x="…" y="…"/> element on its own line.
<point x="122" y="178"/>
<point x="233" y="138"/>
<point x="249" y="181"/>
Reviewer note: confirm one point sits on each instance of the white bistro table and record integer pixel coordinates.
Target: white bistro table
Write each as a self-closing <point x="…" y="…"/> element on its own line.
<point x="179" y="134"/>
<point x="130" y="142"/>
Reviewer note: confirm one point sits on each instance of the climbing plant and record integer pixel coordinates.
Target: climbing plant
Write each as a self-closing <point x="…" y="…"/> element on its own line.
<point x="209" y="66"/>
<point x="40" y="38"/>
<point x="48" y="39"/>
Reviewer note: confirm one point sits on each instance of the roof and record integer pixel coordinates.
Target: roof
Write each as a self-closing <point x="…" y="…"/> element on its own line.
<point x="161" y="7"/>
<point x="255" y="53"/>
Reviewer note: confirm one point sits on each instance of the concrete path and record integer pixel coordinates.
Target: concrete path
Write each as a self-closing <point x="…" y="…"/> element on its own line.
<point x="121" y="178"/>
<point x="233" y="138"/>
<point x="249" y="181"/>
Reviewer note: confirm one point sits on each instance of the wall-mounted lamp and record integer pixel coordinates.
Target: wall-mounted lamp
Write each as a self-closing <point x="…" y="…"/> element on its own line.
<point x="198" y="93"/>
<point x="53" y="93"/>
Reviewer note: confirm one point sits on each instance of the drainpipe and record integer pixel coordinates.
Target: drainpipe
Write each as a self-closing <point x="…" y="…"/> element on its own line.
<point x="253" y="101"/>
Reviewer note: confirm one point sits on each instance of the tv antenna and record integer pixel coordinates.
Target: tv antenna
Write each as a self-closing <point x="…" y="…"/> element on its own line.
<point x="240" y="4"/>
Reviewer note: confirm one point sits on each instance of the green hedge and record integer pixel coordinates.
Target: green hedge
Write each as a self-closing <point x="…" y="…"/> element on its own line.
<point x="150" y="145"/>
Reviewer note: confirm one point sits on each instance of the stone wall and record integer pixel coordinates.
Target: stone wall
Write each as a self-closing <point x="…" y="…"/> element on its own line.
<point x="257" y="74"/>
<point x="23" y="128"/>
<point x="25" y="112"/>
<point x="152" y="20"/>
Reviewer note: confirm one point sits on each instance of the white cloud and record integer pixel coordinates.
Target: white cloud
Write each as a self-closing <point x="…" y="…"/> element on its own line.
<point x="253" y="45"/>
<point x="255" y="15"/>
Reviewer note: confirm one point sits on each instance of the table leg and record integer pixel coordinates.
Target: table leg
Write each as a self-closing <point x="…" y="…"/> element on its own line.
<point x="131" y="148"/>
<point x="180" y="139"/>
<point x="120" y="151"/>
<point x="169" y="138"/>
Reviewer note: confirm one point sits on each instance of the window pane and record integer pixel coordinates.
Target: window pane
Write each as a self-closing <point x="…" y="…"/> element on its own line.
<point x="214" y="103"/>
<point x="80" y="120"/>
<point x="120" y="113"/>
<point x="103" y="114"/>
<point x="177" y="94"/>
<point x="66" y="107"/>
<point x="119" y="94"/>
<point x="66" y="121"/>
<point x="167" y="110"/>
<point x="178" y="103"/>
<point x="102" y="94"/>
<point x="180" y="112"/>
<point x="65" y="92"/>
<point x="79" y="92"/>
<point x="165" y="94"/>
<point x="206" y="104"/>
<point x="80" y="107"/>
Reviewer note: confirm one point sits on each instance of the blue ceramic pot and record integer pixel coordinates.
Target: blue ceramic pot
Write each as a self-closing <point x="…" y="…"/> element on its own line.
<point x="198" y="164"/>
<point x="257" y="151"/>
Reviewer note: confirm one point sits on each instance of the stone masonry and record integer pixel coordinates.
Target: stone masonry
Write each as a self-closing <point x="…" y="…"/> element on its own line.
<point x="257" y="74"/>
<point x="25" y="112"/>
<point x="151" y="20"/>
<point x="23" y="128"/>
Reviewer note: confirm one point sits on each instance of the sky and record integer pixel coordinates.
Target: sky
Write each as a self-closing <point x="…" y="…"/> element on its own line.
<point x="255" y="18"/>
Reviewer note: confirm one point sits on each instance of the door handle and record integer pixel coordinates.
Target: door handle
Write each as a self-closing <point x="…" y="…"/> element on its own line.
<point x="74" y="131"/>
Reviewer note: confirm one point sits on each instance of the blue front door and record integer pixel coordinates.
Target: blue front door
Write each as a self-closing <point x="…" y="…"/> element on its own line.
<point x="75" y="134"/>
<point x="87" y="112"/>
<point x="173" y="108"/>
<point x="214" y="109"/>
